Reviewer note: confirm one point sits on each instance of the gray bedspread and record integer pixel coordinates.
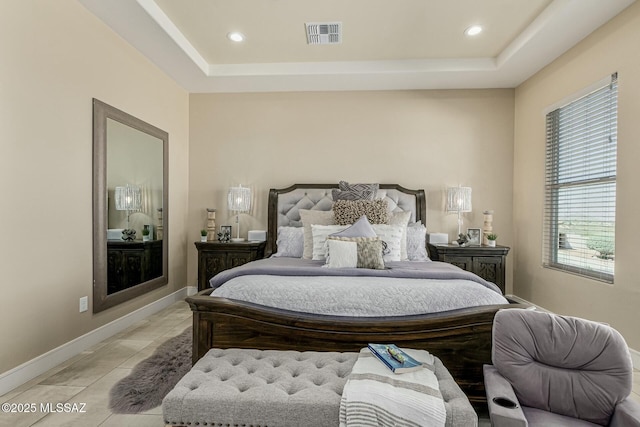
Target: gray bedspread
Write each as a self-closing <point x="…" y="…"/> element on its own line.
<point x="404" y="288"/>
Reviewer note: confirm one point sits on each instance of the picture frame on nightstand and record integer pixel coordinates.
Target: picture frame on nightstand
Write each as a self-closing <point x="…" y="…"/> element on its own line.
<point x="475" y="236"/>
<point x="225" y="233"/>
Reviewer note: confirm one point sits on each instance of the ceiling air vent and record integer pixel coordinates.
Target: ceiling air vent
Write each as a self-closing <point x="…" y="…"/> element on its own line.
<point x="324" y="32"/>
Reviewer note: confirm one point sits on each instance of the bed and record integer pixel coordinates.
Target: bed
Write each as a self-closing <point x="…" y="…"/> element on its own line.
<point x="460" y="336"/>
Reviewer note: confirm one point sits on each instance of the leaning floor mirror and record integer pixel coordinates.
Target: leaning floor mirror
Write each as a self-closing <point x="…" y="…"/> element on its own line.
<point x="130" y="206"/>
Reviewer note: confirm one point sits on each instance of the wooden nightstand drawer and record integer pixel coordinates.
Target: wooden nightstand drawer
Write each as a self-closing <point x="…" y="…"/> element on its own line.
<point x="214" y="257"/>
<point x="485" y="261"/>
<point x="464" y="262"/>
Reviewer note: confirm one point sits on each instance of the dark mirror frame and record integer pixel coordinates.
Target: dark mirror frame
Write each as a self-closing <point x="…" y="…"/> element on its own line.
<point x="102" y="112"/>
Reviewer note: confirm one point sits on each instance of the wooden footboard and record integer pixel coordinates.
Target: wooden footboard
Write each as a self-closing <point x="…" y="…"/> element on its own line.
<point x="460" y="338"/>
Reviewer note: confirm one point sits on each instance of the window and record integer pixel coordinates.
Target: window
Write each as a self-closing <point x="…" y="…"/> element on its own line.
<point x="580" y="185"/>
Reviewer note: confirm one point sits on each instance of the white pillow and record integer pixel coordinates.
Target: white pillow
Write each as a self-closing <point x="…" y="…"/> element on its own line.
<point x="401" y="218"/>
<point x="392" y="236"/>
<point x="309" y="217"/>
<point x="416" y="242"/>
<point x="342" y="254"/>
<point x="319" y="234"/>
<point x="290" y="242"/>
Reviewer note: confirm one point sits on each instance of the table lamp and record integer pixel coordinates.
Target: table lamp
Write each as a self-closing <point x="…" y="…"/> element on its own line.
<point x="459" y="200"/>
<point x="239" y="200"/>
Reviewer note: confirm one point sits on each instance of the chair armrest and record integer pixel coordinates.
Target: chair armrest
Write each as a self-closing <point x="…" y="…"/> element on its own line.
<point x="626" y="414"/>
<point x="497" y="386"/>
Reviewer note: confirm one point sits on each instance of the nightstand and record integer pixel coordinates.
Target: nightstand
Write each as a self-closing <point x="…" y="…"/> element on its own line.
<point x="214" y="257"/>
<point x="488" y="262"/>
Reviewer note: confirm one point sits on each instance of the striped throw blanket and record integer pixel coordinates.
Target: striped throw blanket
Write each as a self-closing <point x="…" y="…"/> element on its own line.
<point x="376" y="397"/>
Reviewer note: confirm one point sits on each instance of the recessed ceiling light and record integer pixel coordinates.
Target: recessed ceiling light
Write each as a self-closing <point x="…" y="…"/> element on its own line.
<point x="473" y="30"/>
<point x="235" y="37"/>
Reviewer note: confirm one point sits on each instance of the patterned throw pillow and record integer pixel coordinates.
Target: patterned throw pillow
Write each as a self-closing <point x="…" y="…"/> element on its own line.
<point x="354" y="252"/>
<point x="346" y="191"/>
<point x="349" y="211"/>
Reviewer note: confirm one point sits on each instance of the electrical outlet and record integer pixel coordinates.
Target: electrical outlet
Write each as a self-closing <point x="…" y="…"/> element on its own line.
<point x="84" y="304"/>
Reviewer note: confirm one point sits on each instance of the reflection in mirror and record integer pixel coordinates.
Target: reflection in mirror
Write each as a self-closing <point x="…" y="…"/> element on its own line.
<point x="134" y="193"/>
<point x="130" y="207"/>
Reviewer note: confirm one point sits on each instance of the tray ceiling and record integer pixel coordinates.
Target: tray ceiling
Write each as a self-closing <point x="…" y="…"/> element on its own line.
<point x="404" y="44"/>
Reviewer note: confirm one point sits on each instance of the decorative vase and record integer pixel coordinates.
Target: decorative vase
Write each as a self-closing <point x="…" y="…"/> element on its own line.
<point x="211" y="225"/>
<point x="488" y="227"/>
<point x="146" y="232"/>
<point x="160" y="226"/>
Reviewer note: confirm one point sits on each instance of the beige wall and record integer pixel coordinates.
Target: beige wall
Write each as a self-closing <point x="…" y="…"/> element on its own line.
<point x="419" y="139"/>
<point x="611" y="48"/>
<point x="56" y="57"/>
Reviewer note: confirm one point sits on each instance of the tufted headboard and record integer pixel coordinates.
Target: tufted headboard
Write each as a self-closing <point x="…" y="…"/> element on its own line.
<point x="284" y="205"/>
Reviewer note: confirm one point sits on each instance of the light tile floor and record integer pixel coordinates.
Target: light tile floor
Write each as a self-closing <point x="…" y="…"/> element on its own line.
<point x="88" y="377"/>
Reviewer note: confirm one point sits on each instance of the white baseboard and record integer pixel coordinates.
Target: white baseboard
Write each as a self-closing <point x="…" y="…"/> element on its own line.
<point x="635" y="355"/>
<point x="635" y="358"/>
<point x="41" y="364"/>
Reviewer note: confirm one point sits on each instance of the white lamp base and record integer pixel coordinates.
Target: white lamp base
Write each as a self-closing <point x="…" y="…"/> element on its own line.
<point x="237" y="239"/>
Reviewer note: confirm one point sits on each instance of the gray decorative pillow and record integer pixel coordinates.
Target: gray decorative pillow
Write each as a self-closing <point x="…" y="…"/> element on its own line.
<point x="349" y="211"/>
<point x="416" y="242"/>
<point x="290" y="242"/>
<point x="358" y="252"/>
<point x="360" y="228"/>
<point x="346" y="191"/>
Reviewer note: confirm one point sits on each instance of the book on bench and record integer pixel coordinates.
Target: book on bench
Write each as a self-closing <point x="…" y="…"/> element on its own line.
<point x="394" y="358"/>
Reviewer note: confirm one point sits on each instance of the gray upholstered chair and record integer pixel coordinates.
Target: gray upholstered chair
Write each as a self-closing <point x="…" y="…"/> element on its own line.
<point x="558" y="371"/>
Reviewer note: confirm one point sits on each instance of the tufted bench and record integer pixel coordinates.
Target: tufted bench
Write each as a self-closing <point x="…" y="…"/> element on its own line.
<point x="270" y="388"/>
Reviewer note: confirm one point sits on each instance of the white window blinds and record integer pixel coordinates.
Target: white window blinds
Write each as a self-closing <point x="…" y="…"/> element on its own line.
<point x="580" y="186"/>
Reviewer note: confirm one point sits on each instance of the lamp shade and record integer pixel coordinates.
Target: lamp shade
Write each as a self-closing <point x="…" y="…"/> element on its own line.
<point x="459" y="199"/>
<point x="128" y="198"/>
<point x="239" y="199"/>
